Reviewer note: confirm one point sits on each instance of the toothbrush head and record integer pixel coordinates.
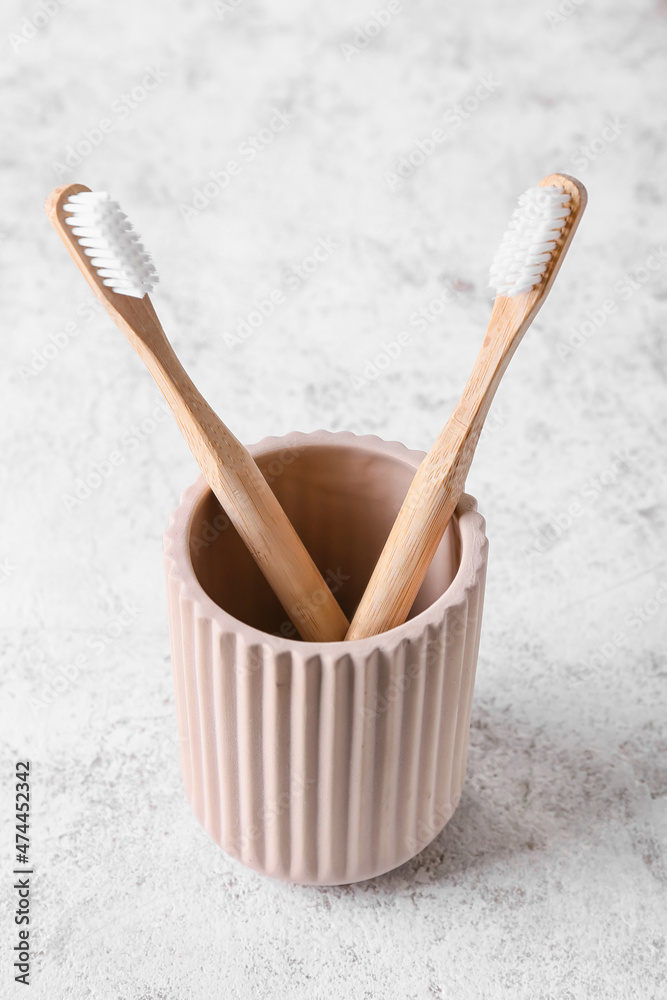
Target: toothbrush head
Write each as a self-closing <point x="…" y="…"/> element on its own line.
<point x="537" y="236"/>
<point x="109" y="239"/>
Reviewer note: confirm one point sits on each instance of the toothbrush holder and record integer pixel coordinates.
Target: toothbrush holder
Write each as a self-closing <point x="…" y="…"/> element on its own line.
<point x="322" y="763"/>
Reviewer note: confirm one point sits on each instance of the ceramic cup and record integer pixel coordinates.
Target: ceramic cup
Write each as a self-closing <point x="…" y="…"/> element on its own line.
<point x="322" y="763"/>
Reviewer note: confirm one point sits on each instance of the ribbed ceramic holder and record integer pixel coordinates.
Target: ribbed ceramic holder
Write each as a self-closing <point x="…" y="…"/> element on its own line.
<point x="322" y="763"/>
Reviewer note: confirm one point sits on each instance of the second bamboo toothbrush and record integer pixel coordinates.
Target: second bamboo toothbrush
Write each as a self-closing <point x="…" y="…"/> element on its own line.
<point x="120" y="273"/>
<point x="522" y="275"/>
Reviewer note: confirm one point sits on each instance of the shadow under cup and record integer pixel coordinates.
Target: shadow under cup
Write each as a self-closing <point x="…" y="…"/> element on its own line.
<point x="322" y="763"/>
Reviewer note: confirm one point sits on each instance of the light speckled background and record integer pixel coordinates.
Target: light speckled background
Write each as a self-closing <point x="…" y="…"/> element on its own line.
<point x="550" y="881"/>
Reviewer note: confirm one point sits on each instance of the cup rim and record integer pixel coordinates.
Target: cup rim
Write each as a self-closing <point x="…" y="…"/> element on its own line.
<point x="470" y="523"/>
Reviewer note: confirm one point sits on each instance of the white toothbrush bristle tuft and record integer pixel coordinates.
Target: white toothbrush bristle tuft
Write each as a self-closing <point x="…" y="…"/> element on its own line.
<point x="110" y="241"/>
<point x="525" y="252"/>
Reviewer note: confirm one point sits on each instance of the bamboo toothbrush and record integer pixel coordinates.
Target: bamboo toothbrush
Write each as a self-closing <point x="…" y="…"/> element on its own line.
<point x="522" y="274"/>
<point x="120" y="273"/>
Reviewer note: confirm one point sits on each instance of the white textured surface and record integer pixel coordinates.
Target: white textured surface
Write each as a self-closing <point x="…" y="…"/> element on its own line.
<point x="550" y="881"/>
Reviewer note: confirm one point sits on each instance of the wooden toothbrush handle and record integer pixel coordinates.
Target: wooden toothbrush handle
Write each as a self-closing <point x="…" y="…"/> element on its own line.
<point x="229" y="468"/>
<point x="439" y="482"/>
<point x="413" y="540"/>
<point x="251" y="504"/>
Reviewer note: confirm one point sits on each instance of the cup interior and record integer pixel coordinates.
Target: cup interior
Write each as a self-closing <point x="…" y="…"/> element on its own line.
<point x="342" y="501"/>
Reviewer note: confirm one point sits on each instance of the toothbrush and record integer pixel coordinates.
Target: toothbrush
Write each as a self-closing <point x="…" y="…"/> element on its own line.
<point x="121" y="274"/>
<point x="522" y="274"/>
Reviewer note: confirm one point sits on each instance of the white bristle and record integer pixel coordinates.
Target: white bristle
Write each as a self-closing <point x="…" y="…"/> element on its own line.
<point x="532" y="235"/>
<point x="114" y="248"/>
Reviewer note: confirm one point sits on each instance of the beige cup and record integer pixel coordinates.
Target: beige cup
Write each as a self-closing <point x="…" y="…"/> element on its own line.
<point x="322" y="763"/>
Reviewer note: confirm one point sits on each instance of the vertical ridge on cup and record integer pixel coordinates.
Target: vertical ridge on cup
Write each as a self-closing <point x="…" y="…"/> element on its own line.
<point x="322" y="763"/>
